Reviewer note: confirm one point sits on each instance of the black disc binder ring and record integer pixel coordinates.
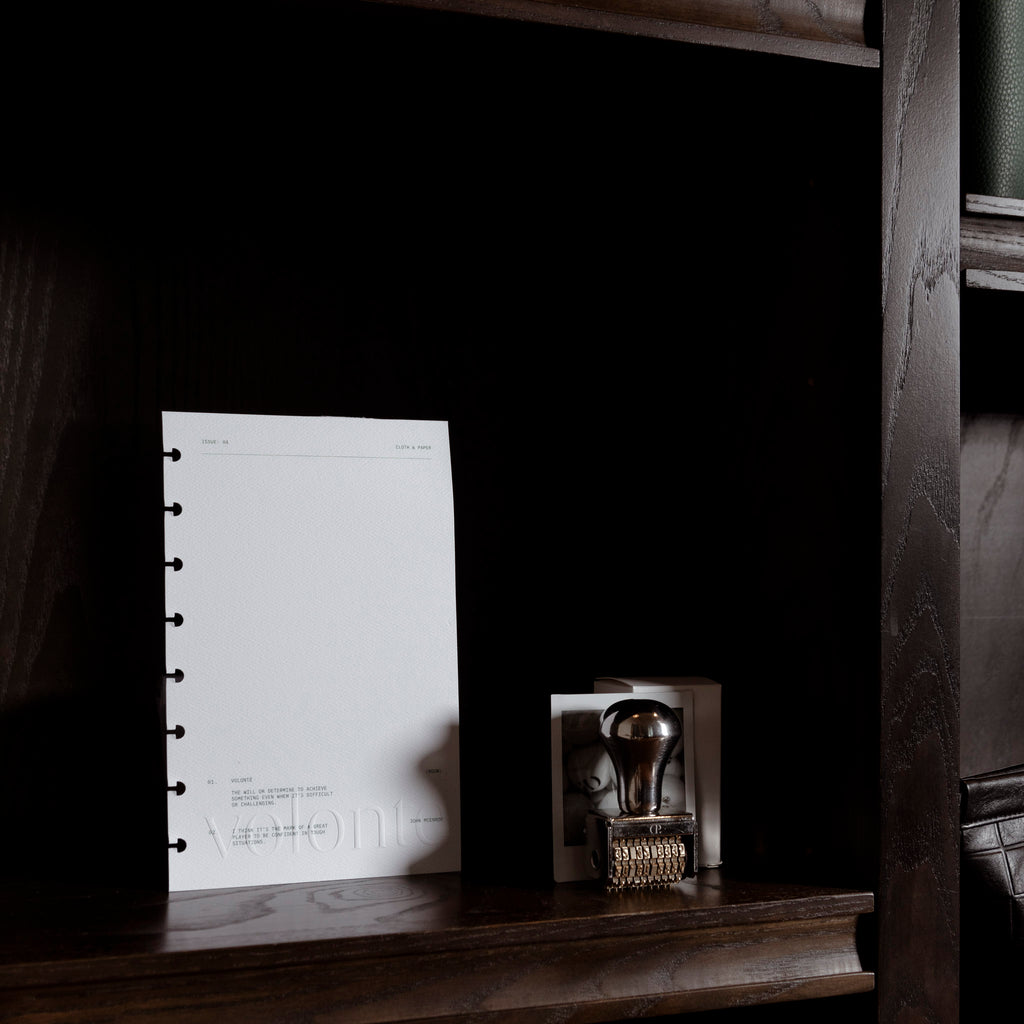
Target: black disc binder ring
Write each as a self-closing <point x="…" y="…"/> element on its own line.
<point x="177" y="675"/>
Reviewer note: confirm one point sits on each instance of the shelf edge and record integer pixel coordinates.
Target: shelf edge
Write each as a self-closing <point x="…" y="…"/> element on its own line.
<point x="667" y="29"/>
<point x="995" y="280"/>
<point x="599" y="977"/>
<point x="991" y="243"/>
<point x="1000" y="206"/>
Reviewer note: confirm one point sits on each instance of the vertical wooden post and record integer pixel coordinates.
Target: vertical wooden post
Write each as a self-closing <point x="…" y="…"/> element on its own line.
<point x="918" y="901"/>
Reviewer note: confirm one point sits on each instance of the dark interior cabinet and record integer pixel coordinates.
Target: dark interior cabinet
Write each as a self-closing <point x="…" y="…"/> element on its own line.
<point x="684" y="281"/>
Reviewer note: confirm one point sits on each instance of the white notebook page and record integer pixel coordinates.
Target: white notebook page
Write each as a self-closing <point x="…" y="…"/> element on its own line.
<point x="319" y="699"/>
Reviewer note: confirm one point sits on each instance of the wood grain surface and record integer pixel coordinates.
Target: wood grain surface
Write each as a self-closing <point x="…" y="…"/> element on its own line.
<point x="836" y="21"/>
<point x="434" y="947"/>
<point x="991" y="243"/>
<point x="995" y="280"/>
<point x="838" y="31"/>
<point x="919" y="622"/>
<point x="1002" y="206"/>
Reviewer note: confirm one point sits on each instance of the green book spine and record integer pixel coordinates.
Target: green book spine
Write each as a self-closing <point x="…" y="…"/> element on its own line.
<point x="992" y="93"/>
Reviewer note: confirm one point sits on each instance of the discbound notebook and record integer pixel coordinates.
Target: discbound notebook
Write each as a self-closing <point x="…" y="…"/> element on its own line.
<point x="312" y="690"/>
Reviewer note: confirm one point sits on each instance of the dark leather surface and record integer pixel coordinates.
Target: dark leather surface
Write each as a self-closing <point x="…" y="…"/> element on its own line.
<point x="992" y="795"/>
<point x="992" y="89"/>
<point x="992" y="852"/>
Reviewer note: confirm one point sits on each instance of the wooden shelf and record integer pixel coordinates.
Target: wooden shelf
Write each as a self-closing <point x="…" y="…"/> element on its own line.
<point x="361" y="208"/>
<point x="792" y="28"/>
<point x="431" y="947"/>
<point x="1001" y="206"/>
<point x="995" y="280"/>
<point x="991" y="249"/>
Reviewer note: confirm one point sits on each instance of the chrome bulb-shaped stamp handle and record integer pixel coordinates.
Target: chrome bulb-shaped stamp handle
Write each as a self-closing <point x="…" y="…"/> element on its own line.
<point x="640" y="736"/>
<point x="640" y="848"/>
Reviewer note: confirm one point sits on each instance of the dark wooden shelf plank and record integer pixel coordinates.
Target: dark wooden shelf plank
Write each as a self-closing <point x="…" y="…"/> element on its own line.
<point x="739" y="26"/>
<point x="991" y="243"/>
<point x="919" y="624"/>
<point x="995" y="280"/>
<point x="1002" y="206"/>
<point x="431" y="947"/>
